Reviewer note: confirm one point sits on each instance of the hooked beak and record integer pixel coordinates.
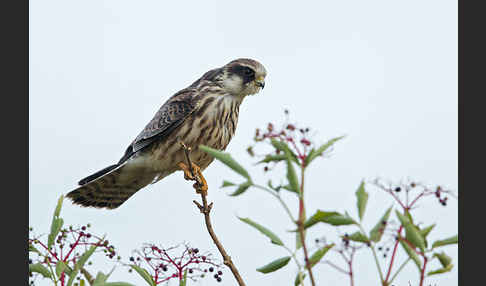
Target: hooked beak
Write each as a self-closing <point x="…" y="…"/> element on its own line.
<point x="260" y="82"/>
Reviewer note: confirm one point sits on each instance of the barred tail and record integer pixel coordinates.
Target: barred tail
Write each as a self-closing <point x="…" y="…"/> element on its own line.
<point x="111" y="188"/>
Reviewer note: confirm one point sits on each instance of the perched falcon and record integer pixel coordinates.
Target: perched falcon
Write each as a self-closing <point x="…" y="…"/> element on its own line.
<point x="205" y="113"/>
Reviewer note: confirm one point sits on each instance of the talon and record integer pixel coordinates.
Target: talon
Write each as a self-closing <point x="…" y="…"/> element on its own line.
<point x="187" y="172"/>
<point x="202" y="185"/>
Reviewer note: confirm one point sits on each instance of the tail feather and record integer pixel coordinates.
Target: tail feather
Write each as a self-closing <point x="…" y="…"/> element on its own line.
<point x="109" y="188"/>
<point x="97" y="174"/>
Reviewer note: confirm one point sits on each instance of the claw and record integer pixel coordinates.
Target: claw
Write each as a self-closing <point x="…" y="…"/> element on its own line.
<point x="201" y="185"/>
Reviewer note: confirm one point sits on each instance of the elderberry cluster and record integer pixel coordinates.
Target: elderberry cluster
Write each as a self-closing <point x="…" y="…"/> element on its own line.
<point x="164" y="264"/>
<point x="296" y="138"/>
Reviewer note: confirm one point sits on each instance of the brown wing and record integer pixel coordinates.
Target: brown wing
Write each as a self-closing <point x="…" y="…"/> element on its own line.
<point x="169" y="117"/>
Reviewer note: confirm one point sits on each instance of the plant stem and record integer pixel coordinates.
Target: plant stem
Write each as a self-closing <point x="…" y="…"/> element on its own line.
<point x="422" y="273"/>
<point x="300" y="226"/>
<point x="399" y="269"/>
<point x="393" y="254"/>
<point x="279" y="199"/>
<point x="374" y="255"/>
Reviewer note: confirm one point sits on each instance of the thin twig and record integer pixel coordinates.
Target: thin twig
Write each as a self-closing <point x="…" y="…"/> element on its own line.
<point x="205" y="209"/>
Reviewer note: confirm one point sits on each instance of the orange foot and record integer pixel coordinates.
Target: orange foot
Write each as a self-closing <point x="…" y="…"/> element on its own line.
<point x="201" y="185"/>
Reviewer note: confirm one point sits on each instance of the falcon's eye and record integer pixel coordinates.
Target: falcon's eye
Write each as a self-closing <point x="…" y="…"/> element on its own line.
<point x="248" y="71"/>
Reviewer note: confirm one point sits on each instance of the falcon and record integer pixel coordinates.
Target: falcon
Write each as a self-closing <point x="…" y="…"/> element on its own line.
<point x="205" y="113"/>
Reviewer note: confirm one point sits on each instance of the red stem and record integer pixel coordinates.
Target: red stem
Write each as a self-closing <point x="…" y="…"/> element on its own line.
<point x="62" y="279"/>
<point x="72" y="248"/>
<point x="393" y="255"/>
<point x="422" y="274"/>
<point x="48" y="250"/>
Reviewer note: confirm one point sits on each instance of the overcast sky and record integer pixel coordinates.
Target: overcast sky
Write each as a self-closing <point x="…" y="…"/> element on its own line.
<point x="382" y="72"/>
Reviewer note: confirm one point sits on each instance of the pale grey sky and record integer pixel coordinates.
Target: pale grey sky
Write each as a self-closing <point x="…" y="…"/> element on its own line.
<point x="382" y="72"/>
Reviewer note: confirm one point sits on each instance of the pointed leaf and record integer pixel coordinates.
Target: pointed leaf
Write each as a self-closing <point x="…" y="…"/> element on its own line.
<point x="274" y="265"/>
<point x="451" y="240"/>
<point x="444" y="259"/>
<point x="145" y="275"/>
<point x="60" y="268"/>
<point x="411" y="232"/>
<point x="227" y="184"/>
<point x="411" y="253"/>
<point x="358" y="236"/>
<point x="317" y="256"/>
<point x="33" y="249"/>
<point x="57" y="211"/>
<point x="56" y="226"/>
<point x="273" y="158"/>
<point x="441" y="270"/>
<point x="425" y="231"/>
<point x="333" y="218"/>
<point x="377" y="232"/>
<point x="241" y="189"/>
<point x="100" y="279"/>
<point x="362" y="196"/>
<point x="321" y="150"/>
<point x="273" y="237"/>
<point x="226" y="159"/>
<point x="282" y="146"/>
<point x="299" y="278"/>
<point x="39" y="268"/>
<point x="292" y="177"/>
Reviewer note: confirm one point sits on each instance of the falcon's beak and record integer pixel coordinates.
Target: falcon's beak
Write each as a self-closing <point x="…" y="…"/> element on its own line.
<point x="260" y="82"/>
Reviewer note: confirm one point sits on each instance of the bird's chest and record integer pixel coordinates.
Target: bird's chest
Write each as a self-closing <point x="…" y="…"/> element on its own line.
<point x="212" y="124"/>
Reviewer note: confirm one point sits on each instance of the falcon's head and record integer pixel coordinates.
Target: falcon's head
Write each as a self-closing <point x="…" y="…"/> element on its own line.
<point x="243" y="77"/>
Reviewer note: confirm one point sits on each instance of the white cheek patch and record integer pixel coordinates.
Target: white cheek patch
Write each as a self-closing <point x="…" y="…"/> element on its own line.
<point x="233" y="84"/>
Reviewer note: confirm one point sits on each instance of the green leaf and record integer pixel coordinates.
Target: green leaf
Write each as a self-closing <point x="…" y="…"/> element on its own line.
<point x="377" y="232"/>
<point x="57" y="211"/>
<point x="145" y="275"/>
<point x="292" y="176"/>
<point x="411" y="253"/>
<point x="227" y="184"/>
<point x="317" y="256"/>
<point x="80" y="263"/>
<point x="411" y="232"/>
<point x="282" y="146"/>
<point x="274" y="265"/>
<point x="451" y="240"/>
<point x="33" y="249"/>
<point x="56" y="226"/>
<point x="60" y="268"/>
<point x="39" y="268"/>
<point x="274" y="238"/>
<point x="333" y="218"/>
<point x="425" y="231"/>
<point x="444" y="259"/>
<point x="241" y="189"/>
<point x="358" y="236"/>
<point x="273" y="158"/>
<point x="298" y="280"/>
<point x="441" y="270"/>
<point x="226" y="159"/>
<point x="362" y="196"/>
<point x="82" y="283"/>
<point x="321" y="150"/>
<point x="100" y="279"/>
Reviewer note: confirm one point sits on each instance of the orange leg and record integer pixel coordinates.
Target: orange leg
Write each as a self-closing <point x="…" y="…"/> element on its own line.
<point x="201" y="185"/>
